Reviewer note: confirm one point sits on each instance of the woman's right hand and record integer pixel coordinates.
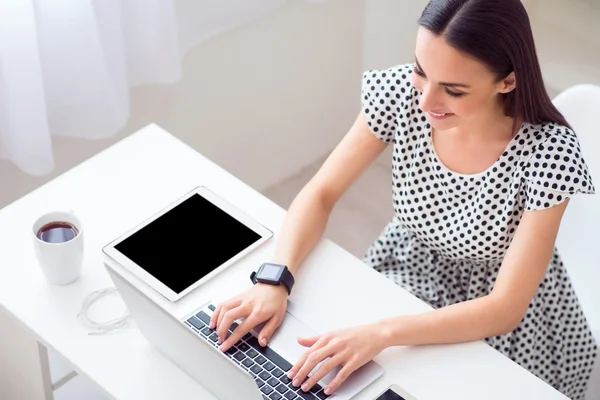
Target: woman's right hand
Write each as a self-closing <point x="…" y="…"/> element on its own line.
<point x="260" y="303"/>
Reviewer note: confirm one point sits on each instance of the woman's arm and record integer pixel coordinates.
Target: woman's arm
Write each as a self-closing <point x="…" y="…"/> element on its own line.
<point x="308" y="214"/>
<point x="503" y="309"/>
<point x="302" y="228"/>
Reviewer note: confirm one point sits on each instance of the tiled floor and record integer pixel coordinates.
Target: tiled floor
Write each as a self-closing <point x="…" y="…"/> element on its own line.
<point x="355" y="222"/>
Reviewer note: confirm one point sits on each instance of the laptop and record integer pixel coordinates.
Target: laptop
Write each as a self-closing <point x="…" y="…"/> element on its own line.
<point x="247" y="370"/>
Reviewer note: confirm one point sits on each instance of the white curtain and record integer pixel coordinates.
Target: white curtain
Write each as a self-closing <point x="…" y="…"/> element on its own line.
<point x="66" y="66"/>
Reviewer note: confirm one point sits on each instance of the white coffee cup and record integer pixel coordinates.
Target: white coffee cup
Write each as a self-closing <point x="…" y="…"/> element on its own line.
<point x="60" y="256"/>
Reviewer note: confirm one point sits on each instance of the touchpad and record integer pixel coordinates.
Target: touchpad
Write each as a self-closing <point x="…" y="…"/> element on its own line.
<point x="285" y="339"/>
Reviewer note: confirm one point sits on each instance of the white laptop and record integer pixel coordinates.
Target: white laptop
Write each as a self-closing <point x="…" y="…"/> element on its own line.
<point x="160" y="253"/>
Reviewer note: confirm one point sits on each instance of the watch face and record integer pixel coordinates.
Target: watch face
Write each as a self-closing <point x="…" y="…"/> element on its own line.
<point x="270" y="272"/>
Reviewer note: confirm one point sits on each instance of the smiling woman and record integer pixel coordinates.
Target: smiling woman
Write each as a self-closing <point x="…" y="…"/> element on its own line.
<point x="483" y="168"/>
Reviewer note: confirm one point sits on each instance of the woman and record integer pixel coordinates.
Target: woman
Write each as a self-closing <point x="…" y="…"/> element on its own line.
<point x="483" y="168"/>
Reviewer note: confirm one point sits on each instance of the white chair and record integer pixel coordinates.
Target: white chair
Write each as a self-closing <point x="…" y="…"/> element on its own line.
<point x="579" y="236"/>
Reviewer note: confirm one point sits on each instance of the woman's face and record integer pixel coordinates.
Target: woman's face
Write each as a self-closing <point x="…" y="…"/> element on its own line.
<point x="456" y="88"/>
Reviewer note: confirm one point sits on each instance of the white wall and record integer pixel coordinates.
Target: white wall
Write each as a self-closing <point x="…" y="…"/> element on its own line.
<point x="390" y="32"/>
<point x="262" y="101"/>
<point x="567" y="37"/>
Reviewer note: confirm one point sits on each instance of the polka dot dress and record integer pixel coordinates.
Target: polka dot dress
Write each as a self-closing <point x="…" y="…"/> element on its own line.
<point x="451" y="231"/>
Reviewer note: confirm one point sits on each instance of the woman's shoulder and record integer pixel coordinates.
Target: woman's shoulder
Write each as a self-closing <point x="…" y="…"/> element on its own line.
<point x="549" y="140"/>
<point x="536" y="134"/>
<point x="386" y="99"/>
<point x="554" y="158"/>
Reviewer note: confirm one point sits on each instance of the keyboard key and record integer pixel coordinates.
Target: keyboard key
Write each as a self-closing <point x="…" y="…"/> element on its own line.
<point x="197" y="323"/>
<point x="266" y="389"/>
<point x="243" y="346"/>
<point x="290" y="396"/>
<point x="256" y="369"/>
<point x="316" y="387"/>
<point x="204" y="317"/>
<point x="252" y="353"/>
<point x="285" y="379"/>
<point x="281" y="388"/>
<point x="214" y="337"/>
<point x="265" y="376"/>
<point x="277" y="372"/>
<point x="239" y="356"/>
<point x="259" y="383"/>
<point x="268" y="366"/>
<point x="305" y="395"/>
<point x="248" y="362"/>
<point x="270" y="354"/>
<point x="321" y="395"/>
<point x="206" y="331"/>
<point x="212" y="308"/>
<point x="275" y="396"/>
<point x="247" y="336"/>
<point x="273" y="382"/>
<point x="260" y="360"/>
<point x="232" y="350"/>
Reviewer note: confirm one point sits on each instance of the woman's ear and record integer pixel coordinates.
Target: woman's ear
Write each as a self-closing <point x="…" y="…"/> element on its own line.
<point x="507" y="84"/>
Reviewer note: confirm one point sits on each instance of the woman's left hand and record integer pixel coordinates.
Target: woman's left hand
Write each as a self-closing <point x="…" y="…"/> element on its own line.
<point x="350" y="348"/>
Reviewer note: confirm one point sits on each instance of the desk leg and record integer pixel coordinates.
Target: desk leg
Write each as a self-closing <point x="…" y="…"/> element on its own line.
<point x="24" y="367"/>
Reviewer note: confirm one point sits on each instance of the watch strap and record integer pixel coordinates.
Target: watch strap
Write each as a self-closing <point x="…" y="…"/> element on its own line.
<point x="287" y="279"/>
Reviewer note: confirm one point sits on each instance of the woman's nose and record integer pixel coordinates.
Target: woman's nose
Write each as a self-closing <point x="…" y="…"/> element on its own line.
<point x="429" y="99"/>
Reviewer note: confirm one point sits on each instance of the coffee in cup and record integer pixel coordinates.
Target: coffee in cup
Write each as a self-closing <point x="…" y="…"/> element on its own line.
<point x="58" y="244"/>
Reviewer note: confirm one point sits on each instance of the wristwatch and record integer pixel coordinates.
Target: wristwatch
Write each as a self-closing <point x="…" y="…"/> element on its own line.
<point x="274" y="274"/>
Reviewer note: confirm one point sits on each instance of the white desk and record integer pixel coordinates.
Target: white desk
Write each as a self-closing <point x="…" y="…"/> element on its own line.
<point x="129" y="181"/>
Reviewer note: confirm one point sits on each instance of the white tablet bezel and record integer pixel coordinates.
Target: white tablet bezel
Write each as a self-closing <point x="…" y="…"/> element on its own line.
<point x="157" y="285"/>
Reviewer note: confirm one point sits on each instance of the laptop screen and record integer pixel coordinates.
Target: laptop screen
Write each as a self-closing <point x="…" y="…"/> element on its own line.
<point x="189" y="241"/>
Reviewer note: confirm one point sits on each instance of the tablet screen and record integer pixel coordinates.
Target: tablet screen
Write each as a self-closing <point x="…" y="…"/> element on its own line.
<point x="187" y="242"/>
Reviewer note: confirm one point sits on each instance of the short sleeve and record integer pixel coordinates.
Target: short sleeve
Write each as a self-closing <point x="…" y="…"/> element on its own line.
<point x="556" y="171"/>
<point x="382" y="93"/>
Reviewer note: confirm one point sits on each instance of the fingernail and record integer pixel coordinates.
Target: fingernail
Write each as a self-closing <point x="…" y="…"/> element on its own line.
<point x="296" y="382"/>
<point x="263" y="341"/>
<point x="221" y="347"/>
<point x="327" y="391"/>
<point x="305" y="387"/>
<point x="291" y="374"/>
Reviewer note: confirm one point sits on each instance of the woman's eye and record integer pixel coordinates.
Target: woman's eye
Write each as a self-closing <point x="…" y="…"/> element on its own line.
<point x="450" y="92"/>
<point x="454" y="94"/>
<point x="419" y="72"/>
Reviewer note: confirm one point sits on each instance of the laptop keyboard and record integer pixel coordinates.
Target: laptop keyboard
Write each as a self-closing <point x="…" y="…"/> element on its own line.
<point x="268" y="368"/>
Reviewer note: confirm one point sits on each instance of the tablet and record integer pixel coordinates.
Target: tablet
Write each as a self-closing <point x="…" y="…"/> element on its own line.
<point x="187" y="243"/>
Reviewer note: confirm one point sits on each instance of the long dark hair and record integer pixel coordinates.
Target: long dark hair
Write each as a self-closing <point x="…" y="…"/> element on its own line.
<point x="497" y="33"/>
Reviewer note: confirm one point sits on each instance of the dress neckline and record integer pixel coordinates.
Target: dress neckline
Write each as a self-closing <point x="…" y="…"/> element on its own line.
<point x="477" y="174"/>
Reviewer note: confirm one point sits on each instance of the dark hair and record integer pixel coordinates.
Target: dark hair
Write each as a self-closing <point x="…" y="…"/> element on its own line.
<point x="498" y="33"/>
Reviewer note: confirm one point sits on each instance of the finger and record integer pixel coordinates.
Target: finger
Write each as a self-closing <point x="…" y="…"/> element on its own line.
<point x="267" y="331"/>
<point x="215" y="316"/>
<point x="240" y="331"/>
<point x="296" y="367"/>
<point x="308" y="342"/>
<point x="314" y="358"/>
<point x="341" y="377"/>
<point x="226" y="307"/>
<point x="214" y="319"/>
<point x="228" y="318"/>
<point x="323" y="370"/>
